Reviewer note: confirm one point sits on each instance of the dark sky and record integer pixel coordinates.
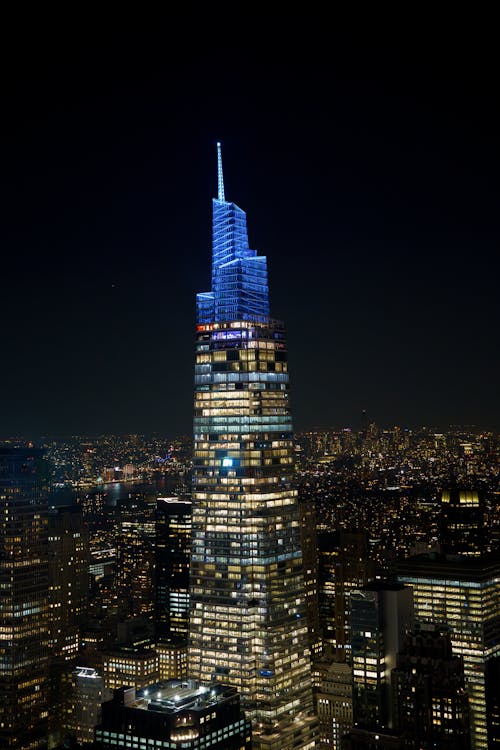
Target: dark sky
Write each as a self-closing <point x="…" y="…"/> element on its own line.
<point x="369" y="172"/>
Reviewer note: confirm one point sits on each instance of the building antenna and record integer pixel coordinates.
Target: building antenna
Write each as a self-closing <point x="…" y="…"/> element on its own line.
<point x="219" y="172"/>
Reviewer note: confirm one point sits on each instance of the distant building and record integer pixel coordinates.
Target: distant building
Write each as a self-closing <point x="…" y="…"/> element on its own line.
<point x="431" y="707"/>
<point x="462" y="592"/>
<point x="174" y="715"/>
<point x="462" y="522"/>
<point x="24" y="655"/>
<point x="381" y="615"/>
<point x="309" y="546"/>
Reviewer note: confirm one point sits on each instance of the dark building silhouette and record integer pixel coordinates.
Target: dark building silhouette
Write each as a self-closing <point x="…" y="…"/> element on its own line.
<point x="430" y="705"/>
<point x="344" y="566"/>
<point x="175" y="715"/>
<point x="172" y="552"/>
<point x="381" y="615"/>
<point x="24" y="656"/>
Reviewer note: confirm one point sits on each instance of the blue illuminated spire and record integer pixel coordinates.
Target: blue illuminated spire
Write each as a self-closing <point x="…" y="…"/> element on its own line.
<point x="239" y="276"/>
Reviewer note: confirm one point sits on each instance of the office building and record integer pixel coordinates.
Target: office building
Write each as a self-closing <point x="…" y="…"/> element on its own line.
<point x="83" y="706"/>
<point x="24" y="654"/>
<point x="332" y="689"/>
<point x="344" y="566"/>
<point x="172" y="553"/>
<point x="174" y="715"/>
<point x="431" y="707"/>
<point x="68" y="578"/>
<point x="462" y="522"/>
<point x="381" y="615"/>
<point x="130" y="667"/>
<point x="462" y="592"/>
<point x="248" y="618"/>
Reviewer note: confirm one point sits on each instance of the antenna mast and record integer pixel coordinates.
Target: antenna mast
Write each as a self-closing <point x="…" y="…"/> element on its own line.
<point x="219" y="173"/>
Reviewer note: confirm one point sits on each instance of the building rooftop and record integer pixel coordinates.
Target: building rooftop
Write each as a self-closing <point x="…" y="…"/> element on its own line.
<point x="172" y="696"/>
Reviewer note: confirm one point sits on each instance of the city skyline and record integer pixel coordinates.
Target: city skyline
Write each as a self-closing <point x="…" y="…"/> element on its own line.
<point x="378" y="186"/>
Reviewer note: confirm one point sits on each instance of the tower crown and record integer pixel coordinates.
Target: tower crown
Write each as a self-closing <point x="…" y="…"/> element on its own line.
<point x="239" y="276"/>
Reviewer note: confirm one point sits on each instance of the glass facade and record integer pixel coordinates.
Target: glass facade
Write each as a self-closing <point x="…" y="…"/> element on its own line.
<point x="463" y="593"/>
<point x="248" y="625"/>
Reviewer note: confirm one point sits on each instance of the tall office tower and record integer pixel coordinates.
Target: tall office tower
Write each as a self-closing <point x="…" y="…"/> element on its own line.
<point x="431" y="707"/>
<point x="68" y="595"/>
<point x="462" y="522"/>
<point x="135" y="566"/>
<point x="23" y="600"/>
<point x="172" y="551"/>
<point x="68" y="578"/>
<point x="344" y="567"/>
<point x="381" y="615"/>
<point x="248" y="625"/>
<point x="464" y="593"/>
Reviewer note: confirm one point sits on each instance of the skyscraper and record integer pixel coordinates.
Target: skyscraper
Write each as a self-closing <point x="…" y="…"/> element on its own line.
<point x="172" y="548"/>
<point x="248" y="626"/>
<point x="463" y="592"/>
<point x="24" y="603"/>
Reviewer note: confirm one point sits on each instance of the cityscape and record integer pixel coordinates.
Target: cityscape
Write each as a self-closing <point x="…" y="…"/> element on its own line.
<point x="266" y="515"/>
<point x="250" y="588"/>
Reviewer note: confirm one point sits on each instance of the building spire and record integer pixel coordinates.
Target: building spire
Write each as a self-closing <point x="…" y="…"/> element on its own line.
<point x="219" y="171"/>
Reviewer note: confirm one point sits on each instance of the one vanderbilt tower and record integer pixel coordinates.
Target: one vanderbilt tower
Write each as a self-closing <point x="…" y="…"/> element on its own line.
<point x="248" y="624"/>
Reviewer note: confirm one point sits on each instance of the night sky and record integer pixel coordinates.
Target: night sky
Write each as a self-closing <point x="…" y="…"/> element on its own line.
<point x="369" y="173"/>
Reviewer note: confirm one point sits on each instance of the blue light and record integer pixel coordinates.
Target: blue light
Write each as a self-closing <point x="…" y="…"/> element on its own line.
<point x="227" y="461"/>
<point x="239" y="276"/>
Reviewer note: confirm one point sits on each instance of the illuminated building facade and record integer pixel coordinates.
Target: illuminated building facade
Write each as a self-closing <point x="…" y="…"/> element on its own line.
<point x="172" y="550"/>
<point x="68" y="578"/>
<point x="462" y="522"/>
<point x="462" y="592"/>
<point x="248" y="619"/>
<point x="172" y="715"/>
<point x="130" y="668"/>
<point x="24" y="634"/>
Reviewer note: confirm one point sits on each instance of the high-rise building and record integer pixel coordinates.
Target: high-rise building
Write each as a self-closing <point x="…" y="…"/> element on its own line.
<point x="332" y="684"/>
<point x="462" y="522"/>
<point x="381" y="615"/>
<point x="462" y="592"/>
<point x="248" y="619"/>
<point x="24" y="654"/>
<point x="431" y="707"/>
<point x="344" y="566"/>
<point x="68" y="578"/>
<point x="172" y="551"/>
